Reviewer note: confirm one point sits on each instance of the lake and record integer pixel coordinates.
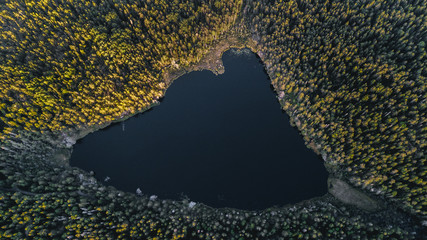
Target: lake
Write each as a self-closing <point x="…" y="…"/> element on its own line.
<point x="220" y="140"/>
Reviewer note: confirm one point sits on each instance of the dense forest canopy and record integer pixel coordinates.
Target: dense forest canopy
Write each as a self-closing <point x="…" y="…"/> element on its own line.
<point x="350" y="74"/>
<point x="353" y="76"/>
<point x="71" y="63"/>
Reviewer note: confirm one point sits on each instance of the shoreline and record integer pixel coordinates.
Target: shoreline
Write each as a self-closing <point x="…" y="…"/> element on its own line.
<point x="212" y="61"/>
<point x="346" y="194"/>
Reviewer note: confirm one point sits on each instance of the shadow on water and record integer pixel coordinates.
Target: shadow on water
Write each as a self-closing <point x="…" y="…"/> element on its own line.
<point x="220" y="140"/>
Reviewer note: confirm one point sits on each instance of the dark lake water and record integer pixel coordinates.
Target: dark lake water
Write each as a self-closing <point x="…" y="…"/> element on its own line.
<point x="220" y="140"/>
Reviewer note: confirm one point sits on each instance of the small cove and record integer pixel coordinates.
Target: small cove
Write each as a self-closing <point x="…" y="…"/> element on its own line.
<point x="220" y="140"/>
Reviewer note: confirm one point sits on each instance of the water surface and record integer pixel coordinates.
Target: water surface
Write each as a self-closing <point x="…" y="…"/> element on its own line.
<point x="221" y="140"/>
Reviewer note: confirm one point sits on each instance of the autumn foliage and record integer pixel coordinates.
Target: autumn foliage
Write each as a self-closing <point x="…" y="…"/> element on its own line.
<point x="350" y="74"/>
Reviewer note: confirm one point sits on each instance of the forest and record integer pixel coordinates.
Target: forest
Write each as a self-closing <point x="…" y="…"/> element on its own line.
<point x="70" y="63"/>
<point x="354" y="81"/>
<point x="350" y="74"/>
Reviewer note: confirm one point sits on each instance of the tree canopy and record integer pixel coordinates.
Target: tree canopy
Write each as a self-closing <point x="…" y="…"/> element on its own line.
<point x="350" y="74"/>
